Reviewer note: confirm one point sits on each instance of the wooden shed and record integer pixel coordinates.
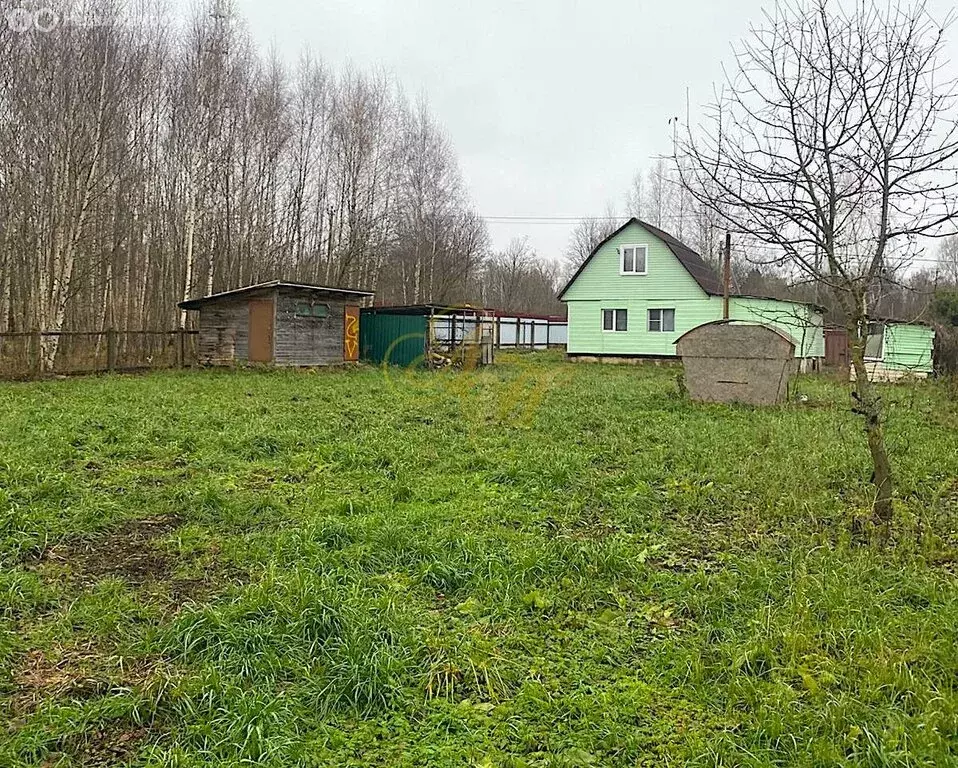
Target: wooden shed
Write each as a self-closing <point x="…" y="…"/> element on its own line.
<point x="278" y="323"/>
<point x="737" y="361"/>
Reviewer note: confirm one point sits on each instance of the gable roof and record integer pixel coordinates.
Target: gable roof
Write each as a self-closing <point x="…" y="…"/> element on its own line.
<point x="701" y="272"/>
<point x="236" y="292"/>
<point x="694" y="264"/>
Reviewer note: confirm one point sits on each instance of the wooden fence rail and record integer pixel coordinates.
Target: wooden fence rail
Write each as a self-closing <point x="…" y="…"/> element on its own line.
<point x="22" y="353"/>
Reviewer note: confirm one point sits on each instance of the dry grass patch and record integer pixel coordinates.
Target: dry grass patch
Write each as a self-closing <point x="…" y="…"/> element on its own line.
<point x="129" y="553"/>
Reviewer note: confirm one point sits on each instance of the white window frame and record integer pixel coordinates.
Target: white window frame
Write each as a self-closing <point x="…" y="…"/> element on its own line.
<point x="884" y="333"/>
<point x="613" y="310"/>
<point x="661" y="311"/>
<point x="635" y="247"/>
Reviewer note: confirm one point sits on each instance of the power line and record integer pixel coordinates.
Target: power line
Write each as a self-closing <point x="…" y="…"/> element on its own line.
<point x="548" y="219"/>
<point x="576" y="219"/>
<point x="889" y="261"/>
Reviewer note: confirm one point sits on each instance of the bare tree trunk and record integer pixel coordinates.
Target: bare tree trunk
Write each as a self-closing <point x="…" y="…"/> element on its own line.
<point x="868" y="406"/>
<point x="190" y="235"/>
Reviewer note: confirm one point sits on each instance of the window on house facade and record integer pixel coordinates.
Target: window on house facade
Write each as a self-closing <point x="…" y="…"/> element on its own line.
<point x="615" y="320"/>
<point x="662" y="320"/>
<point x="875" y="341"/>
<point x="634" y="259"/>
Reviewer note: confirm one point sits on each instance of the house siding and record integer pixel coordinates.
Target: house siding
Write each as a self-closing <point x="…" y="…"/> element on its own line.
<point x="668" y="285"/>
<point x="908" y="348"/>
<point x="587" y="337"/>
<point x="224" y="332"/>
<point x="799" y="321"/>
<point x="600" y="280"/>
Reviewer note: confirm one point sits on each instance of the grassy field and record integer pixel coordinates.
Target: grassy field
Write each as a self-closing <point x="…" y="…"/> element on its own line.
<point x="542" y="564"/>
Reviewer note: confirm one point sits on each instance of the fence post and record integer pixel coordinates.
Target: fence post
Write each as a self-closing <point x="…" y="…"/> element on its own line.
<point x="181" y="349"/>
<point x="111" y="350"/>
<point x="36" y="353"/>
<point x="548" y="329"/>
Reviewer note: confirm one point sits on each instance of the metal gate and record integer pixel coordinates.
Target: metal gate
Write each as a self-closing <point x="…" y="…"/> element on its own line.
<point x="393" y="339"/>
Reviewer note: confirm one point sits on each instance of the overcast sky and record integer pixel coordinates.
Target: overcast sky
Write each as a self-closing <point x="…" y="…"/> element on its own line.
<point x="551" y="105"/>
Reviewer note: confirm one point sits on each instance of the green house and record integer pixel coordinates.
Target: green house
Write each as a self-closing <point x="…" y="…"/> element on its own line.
<point x="640" y="289"/>
<point x="899" y="349"/>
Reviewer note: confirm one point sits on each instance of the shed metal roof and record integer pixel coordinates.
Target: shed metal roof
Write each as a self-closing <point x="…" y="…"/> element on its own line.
<point x="426" y="309"/>
<point x="237" y="292"/>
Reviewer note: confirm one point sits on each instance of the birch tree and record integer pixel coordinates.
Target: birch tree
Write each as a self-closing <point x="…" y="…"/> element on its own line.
<point x="145" y="159"/>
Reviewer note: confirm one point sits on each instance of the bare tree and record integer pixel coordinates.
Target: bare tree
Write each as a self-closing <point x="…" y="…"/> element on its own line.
<point x="586" y="235"/>
<point x="833" y="148"/>
<point x="635" y="197"/>
<point x="517" y="280"/>
<point x="144" y="160"/>
<point x="659" y="191"/>
<point x="948" y="260"/>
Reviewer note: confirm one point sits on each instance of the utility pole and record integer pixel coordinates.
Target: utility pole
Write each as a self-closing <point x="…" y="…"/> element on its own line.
<point x="726" y="275"/>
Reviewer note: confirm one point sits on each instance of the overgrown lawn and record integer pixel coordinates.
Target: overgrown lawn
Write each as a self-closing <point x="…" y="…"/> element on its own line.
<point x="541" y="564"/>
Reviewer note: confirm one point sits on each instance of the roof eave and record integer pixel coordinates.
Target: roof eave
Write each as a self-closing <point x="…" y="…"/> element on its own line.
<point x="194" y="304"/>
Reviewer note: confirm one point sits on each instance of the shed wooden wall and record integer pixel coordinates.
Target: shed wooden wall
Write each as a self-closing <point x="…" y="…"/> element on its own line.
<point x="224" y="332"/>
<point x="308" y="340"/>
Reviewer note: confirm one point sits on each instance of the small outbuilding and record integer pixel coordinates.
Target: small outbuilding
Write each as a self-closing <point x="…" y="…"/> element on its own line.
<point x="279" y="323"/>
<point x="734" y="361"/>
<point x="428" y="335"/>
<point x="899" y="349"/>
<point x="894" y="350"/>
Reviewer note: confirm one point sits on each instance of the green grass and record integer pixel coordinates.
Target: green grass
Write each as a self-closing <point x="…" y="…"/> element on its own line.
<point x="541" y="564"/>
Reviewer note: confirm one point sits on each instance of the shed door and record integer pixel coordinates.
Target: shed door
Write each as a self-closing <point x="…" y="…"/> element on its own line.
<point x="351" y="334"/>
<point x="261" y="330"/>
<point x="836" y="348"/>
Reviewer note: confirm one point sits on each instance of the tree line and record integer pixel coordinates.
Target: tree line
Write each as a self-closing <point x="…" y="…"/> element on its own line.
<point x="145" y="160"/>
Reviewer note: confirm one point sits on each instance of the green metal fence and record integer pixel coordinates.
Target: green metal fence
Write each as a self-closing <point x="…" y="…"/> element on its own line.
<point x="392" y="339"/>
